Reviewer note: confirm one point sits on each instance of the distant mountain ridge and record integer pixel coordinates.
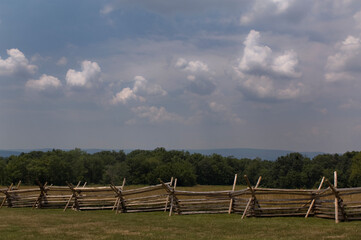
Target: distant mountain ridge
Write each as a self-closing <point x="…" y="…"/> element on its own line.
<point x="251" y="153"/>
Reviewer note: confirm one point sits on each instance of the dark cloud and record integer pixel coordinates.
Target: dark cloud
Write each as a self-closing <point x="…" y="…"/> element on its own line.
<point x="201" y="86"/>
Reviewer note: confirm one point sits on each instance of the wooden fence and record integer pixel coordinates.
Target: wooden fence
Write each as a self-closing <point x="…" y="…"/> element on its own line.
<point x="144" y="199"/>
<point x="342" y="204"/>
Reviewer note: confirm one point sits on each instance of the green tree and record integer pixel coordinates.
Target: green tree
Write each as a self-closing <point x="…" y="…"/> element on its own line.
<point x="214" y="170"/>
<point x="116" y="173"/>
<point x="2" y="171"/>
<point x="355" y="176"/>
<point x="38" y="170"/>
<point x="16" y="169"/>
<point x="177" y="168"/>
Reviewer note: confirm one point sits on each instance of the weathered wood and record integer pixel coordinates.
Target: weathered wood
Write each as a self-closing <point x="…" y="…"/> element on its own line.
<point x="203" y="202"/>
<point x="339" y="203"/>
<point x="209" y="193"/>
<point x="144" y="189"/>
<point x="274" y="202"/>
<point x="233" y="188"/>
<point x="239" y="192"/>
<point x="253" y="194"/>
<point x="146" y="210"/>
<point x="146" y="198"/>
<point x="172" y="198"/>
<point x="313" y="200"/>
<point x="6" y="195"/>
<point x="36" y="190"/>
<point x="120" y="199"/>
<point x="336" y="198"/>
<point x="116" y="203"/>
<point x="204" y="212"/>
<point x="74" y="195"/>
<point x="42" y="194"/>
<point x="166" y="203"/>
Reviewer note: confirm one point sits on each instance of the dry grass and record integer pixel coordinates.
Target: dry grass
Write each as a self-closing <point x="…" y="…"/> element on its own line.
<point x="56" y="224"/>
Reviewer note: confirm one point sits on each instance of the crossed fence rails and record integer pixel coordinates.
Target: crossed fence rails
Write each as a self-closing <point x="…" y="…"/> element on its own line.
<point x="342" y="204"/>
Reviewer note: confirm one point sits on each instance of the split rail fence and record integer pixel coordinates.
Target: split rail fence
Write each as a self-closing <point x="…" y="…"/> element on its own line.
<point x="328" y="201"/>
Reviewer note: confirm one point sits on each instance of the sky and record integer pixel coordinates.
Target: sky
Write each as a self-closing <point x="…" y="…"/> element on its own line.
<point x="190" y="74"/>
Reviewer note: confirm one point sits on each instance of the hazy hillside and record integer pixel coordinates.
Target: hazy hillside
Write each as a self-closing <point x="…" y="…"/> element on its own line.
<point x="265" y="154"/>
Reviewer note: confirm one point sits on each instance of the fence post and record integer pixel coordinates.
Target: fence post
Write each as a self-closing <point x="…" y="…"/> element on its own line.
<point x="167" y="200"/>
<point x="313" y="200"/>
<point x="7" y="196"/>
<point x="336" y="200"/>
<point x="42" y="195"/>
<point x="120" y="199"/>
<point x="117" y="200"/>
<point x="233" y="188"/>
<point x="253" y="198"/>
<point x="172" y="199"/>
<point x="74" y="195"/>
<point x="338" y="203"/>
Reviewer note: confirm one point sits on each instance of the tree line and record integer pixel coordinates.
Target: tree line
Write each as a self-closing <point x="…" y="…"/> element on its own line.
<point x="146" y="166"/>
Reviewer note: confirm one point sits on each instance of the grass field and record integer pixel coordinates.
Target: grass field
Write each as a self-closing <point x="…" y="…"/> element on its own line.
<point x="56" y="224"/>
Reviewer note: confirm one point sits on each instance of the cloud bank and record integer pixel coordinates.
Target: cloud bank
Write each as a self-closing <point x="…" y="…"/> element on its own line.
<point x="265" y="74"/>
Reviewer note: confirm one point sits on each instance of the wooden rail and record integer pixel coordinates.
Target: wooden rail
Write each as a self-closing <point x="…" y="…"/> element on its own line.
<point x="341" y="204"/>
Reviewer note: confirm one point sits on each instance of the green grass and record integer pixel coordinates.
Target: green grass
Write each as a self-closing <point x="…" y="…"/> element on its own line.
<point x="56" y="224"/>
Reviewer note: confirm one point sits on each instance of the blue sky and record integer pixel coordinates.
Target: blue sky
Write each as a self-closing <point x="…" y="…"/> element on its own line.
<point x="120" y="74"/>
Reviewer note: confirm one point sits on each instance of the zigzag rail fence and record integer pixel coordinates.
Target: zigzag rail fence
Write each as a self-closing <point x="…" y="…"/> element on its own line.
<point x="341" y="204"/>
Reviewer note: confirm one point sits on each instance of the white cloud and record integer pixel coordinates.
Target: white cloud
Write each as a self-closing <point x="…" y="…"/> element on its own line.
<point x="345" y="64"/>
<point x="141" y="85"/>
<point x="200" y="81"/>
<point x="43" y="83"/>
<point x="140" y="89"/>
<point x="281" y="5"/>
<point x="357" y="19"/>
<point x="191" y="77"/>
<point x="351" y="104"/>
<point x="124" y="96"/>
<point x="264" y="87"/>
<point x="224" y="113"/>
<point x="216" y="107"/>
<point x="181" y="63"/>
<point x="155" y="115"/>
<point x="255" y="56"/>
<point x="107" y="9"/>
<point x="191" y="66"/>
<point x="260" y="86"/>
<point x="264" y="74"/>
<point x="262" y="8"/>
<point x="90" y="72"/>
<point x="259" y="58"/>
<point x="195" y="66"/>
<point x="62" y="61"/>
<point x="286" y="64"/>
<point x="16" y="63"/>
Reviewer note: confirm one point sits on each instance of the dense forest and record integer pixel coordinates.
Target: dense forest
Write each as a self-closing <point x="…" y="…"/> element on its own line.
<point x="146" y="166"/>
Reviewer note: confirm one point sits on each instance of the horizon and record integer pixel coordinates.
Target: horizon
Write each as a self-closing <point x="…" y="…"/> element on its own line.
<point x="195" y="74"/>
<point x="239" y="153"/>
<point x="168" y="149"/>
